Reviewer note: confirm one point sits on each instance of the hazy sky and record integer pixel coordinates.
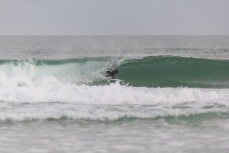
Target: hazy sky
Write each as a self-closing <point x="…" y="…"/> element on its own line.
<point x="114" y="17"/>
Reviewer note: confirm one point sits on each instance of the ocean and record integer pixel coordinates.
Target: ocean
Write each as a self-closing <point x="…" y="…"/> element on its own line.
<point x="171" y="94"/>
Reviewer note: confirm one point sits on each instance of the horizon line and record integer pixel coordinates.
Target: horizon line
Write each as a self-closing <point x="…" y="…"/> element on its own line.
<point x="114" y="34"/>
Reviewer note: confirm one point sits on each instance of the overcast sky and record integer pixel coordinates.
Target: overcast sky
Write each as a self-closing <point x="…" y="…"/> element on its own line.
<point x="79" y="17"/>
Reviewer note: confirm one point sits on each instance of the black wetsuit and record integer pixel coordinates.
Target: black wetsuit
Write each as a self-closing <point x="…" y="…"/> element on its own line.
<point x="112" y="72"/>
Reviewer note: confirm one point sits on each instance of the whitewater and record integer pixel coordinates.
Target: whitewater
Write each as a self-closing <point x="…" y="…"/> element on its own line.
<point x="172" y="94"/>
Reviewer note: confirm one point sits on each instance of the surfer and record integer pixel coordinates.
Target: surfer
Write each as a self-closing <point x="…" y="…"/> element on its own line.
<point x="112" y="73"/>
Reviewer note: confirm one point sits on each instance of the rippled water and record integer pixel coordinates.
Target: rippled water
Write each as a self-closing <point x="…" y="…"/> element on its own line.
<point x="172" y="94"/>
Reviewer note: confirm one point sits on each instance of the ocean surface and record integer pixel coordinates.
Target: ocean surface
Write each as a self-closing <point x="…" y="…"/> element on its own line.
<point x="171" y="95"/>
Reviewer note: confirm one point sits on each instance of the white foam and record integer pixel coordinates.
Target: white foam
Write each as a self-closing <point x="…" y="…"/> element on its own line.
<point x="22" y="88"/>
<point x="50" y="98"/>
<point x="49" y="89"/>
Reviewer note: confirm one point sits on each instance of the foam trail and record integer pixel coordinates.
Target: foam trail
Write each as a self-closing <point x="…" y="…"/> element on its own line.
<point x="109" y="102"/>
<point x="50" y="90"/>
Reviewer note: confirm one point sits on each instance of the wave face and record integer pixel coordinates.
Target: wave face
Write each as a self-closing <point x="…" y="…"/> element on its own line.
<point x="170" y="71"/>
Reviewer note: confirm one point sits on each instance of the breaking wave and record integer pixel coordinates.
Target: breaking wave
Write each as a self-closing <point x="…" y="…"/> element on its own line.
<point x="149" y="88"/>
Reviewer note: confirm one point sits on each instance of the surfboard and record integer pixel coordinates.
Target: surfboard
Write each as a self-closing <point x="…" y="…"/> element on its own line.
<point x="114" y="80"/>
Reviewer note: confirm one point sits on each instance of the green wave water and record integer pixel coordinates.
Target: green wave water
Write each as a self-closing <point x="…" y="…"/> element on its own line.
<point x="150" y="71"/>
<point x="170" y="71"/>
